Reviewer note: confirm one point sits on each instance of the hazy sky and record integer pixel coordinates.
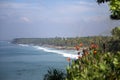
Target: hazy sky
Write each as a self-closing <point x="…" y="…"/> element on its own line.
<point x="50" y="18"/>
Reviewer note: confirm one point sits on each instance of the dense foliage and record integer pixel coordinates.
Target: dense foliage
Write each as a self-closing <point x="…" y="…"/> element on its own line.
<point x="55" y="74"/>
<point x="95" y="67"/>
<point x="114" y="7"/>
<point x="116" y="32"/>
<point x="114" y="43"/>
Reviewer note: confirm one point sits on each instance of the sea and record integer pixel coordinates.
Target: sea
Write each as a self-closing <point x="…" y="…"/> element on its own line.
<point x="28" y="62"/>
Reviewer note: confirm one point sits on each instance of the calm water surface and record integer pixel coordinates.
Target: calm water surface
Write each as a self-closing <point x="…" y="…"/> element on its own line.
<point x="26" y="62"/>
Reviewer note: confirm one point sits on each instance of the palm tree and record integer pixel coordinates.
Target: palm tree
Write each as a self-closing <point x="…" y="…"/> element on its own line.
<point x="54" y="74"/>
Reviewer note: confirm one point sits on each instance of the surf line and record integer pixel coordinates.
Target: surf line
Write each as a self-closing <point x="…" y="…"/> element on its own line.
<point x="64" y="54"/>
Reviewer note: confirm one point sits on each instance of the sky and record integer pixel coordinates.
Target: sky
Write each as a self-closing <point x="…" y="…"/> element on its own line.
<point x="54" y="18"/>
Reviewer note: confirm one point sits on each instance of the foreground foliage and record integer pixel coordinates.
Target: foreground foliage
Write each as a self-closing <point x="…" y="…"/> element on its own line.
<point x="95" y="67"/>
<point x="54" y="74"/>
<point x="114" y="6"/>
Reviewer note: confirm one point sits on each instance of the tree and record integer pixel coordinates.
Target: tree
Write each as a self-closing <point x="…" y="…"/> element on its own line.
<point x="114" y="44"/>
<point x="116" y="32"/>
<point x="114" y="8"/>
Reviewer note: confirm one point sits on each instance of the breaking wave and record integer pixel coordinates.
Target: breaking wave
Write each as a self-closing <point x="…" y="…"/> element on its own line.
<point x="23" y="45"/>
<point x="67" y="53"/>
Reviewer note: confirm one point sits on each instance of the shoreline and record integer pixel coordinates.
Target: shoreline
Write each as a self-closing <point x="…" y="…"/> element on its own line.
<point x="67" y="51"/>
<point x="54" y="47"/>
<point x="59" y="47"/>
<point x="50" y="46"/>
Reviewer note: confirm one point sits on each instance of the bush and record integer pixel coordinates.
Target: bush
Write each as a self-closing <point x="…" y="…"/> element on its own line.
<point x="114" y="46"/>
<point x="54" y="74"/>
<point x="95" y="67"/>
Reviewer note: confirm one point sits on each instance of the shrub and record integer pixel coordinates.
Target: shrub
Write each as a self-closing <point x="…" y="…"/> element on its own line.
<point x="95" y="67"/>
<point x="54" y="74"/>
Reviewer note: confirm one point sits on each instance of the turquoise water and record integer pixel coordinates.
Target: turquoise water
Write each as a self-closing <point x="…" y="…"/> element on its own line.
<point x="27" y="62"/>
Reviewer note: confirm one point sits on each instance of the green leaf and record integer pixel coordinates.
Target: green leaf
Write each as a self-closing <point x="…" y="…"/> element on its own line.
<point x="115" y="61"/>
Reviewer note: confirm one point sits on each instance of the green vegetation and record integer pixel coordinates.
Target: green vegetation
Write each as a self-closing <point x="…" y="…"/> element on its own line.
<point x="55" y="74"/>
<point x="116" y="32"/>
<point x="96" y="65"/>
<point x="114" y="43"/>
<point x="66" y="42"/>
<point x="114" y="8"/>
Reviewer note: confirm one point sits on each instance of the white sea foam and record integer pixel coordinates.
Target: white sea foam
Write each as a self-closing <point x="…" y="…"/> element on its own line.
<point x="68" y="53"/>
<point x="23" y="45"/>
<point x="61" y="52"/>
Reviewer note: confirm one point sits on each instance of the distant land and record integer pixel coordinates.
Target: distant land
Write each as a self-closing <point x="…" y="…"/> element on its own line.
<point x="61" y="43"/>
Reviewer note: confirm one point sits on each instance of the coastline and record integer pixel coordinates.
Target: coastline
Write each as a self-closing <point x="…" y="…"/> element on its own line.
<point x="65" y="52"/>
<point x="58" y="47"/>
<point x="49" y="46"/>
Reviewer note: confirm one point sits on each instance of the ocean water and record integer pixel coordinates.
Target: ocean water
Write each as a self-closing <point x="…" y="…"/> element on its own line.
<point x="23" y="62"/>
